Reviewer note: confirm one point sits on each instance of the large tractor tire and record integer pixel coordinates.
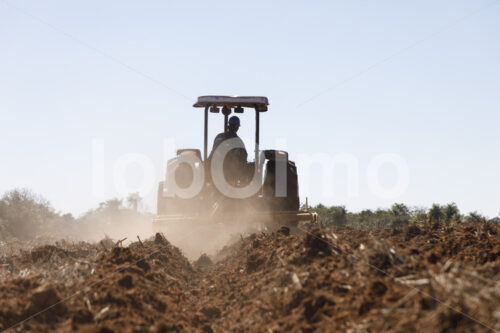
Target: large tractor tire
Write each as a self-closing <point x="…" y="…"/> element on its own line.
<point x="289" y="203"/>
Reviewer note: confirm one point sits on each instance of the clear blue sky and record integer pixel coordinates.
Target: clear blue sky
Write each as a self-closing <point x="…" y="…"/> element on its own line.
<point x="72" y="72"/>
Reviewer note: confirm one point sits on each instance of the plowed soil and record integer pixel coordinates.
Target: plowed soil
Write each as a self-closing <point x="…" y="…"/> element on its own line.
<point x="420" y="278"/>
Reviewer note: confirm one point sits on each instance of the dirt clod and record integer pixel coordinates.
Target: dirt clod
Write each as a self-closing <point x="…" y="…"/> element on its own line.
<point x="46" y="298"/>
<point x="159" y="239"/>
<point x="380" y="261"/>
<point x="317" y="243"/>
<point x="203" y="261"/>
<point x="211" y="312"/>
<point x="412" y="232"/>
<point x="378" y="288"/>
<point x="126" y="282"/>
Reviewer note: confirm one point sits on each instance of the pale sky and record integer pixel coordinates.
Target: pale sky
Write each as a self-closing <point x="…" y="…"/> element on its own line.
<point x="419" y="80"/>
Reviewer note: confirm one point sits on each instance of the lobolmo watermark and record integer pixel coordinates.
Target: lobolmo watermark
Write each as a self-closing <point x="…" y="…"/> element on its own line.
<point x="213" y="171"/>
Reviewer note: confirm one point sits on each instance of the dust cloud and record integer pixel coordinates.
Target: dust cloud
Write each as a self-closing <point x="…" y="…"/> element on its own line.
<point x="208" y="233"/>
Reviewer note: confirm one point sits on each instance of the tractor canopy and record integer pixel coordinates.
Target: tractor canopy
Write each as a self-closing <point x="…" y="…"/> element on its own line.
<point x="259" y="103"/>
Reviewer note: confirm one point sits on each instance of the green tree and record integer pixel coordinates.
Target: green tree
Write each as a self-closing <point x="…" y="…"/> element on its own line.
<point x="451" y="212"/>
<point x="436" y="213"/>
<point x="338" y="214"/>
<point x="399" y="209"/>
<point x="419" y="215"/>
<point x="24" y="213"/>
<point x="334" y="215"/>
<point x="475" y="217"/>
<point x="365" y="215"/>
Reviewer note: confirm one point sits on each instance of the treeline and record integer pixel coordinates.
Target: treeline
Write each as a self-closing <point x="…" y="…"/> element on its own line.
<point x="25" y="215"/>
<point x="397" y="216"/>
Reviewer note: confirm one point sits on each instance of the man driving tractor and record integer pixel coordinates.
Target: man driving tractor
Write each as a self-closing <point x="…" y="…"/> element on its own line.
<point x="235" y="162"/>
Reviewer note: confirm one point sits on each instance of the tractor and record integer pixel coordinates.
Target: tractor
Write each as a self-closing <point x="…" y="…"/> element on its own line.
<point x="191" y="199"/>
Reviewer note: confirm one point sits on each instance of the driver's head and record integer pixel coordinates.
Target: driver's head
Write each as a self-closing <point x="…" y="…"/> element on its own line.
<point x="234" y="124"/>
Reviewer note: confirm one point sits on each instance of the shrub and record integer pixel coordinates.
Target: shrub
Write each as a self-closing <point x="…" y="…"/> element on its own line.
<point x="334" y="215"/>
<point x="451" y="212"/>
<point x="435" y="213"/>
<point x="399" y="209"/>
<point x="419" y="215"/>
<point x="23" y="213"/>
<point x="475" y="217"/>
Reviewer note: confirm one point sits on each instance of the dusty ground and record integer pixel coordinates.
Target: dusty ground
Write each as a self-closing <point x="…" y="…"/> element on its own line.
<point x="425" y="278"/>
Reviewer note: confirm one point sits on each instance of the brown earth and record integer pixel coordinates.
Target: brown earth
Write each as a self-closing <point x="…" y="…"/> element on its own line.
<point x="420" y="278"/>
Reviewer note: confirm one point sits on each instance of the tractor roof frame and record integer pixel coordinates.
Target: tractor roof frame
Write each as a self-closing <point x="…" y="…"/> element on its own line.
<point x="259" y="103"/>
<point x="227" y="103"/>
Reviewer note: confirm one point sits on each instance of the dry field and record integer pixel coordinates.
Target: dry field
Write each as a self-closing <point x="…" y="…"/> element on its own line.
<point x="420" y="278"/>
